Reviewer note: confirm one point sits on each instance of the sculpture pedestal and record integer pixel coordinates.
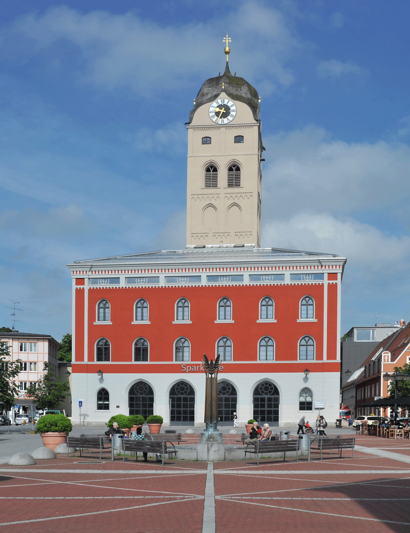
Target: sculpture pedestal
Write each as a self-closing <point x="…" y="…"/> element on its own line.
<point x="211" y="451"/>
<point x="211" y="436"/>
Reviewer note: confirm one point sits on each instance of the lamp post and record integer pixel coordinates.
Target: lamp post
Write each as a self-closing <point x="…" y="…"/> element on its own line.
<point x="306" y="372"/>
<point x="100" y="374"/>
<point x="396" y="376"/>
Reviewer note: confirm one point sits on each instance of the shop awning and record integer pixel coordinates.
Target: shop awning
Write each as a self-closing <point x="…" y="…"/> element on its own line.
<point x="387" y="402"/>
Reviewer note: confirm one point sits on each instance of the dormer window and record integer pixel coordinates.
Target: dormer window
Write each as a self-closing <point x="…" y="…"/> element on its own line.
<point x="206" y="140"/>
<point x="238" y="139"/>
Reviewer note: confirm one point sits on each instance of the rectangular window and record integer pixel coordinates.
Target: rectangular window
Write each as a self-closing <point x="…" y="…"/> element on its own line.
<point x="153" y="280"/>
<point x="307" y="277"/>
<point x="23" y="385"/>
<point x="266" y="278"/>
<point x="33" y="384"/>
<point x="23" y="367"/>
<point x="23" y="347"/>
<point x="365" y="334"/>
<point x="33" y="367"/>
<point x="228" y="278"/>
<point x="373" y="390"/>
<point x="182" y="280"/>
<point x="33" y="347"/>
<point x="104" y="281"/>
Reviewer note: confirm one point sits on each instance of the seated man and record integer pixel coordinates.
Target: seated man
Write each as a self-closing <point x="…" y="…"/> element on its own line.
<point x="115" y="430"/>
<point x="266" y="433"/>
<point x="254" y="434"/>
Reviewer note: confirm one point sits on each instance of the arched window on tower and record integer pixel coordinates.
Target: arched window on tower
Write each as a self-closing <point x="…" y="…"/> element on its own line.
<point x="206" y="140"/>
<point x="234" y="176"/>
<point x="211" y="176"/>
<point x="238" y="139"/>
<point x="103" y="311"/>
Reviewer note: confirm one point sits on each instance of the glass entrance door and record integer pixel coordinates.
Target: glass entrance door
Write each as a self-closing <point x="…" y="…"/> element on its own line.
<point x="141" y="399"/>
<point x="182" y="404"/>
<point x="266" y="403"/>
<point x="227" y="400"/>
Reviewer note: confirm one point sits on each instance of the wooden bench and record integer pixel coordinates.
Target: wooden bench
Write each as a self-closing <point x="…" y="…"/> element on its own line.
<point x="160" y="437"/>
<point x="84" y="442"/>
<point x="329" y="443"/>
<point x="273" y="446"/>
<point x="157" y="447"/>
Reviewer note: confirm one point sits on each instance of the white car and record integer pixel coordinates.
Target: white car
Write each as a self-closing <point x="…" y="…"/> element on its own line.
<point x="371" y="419"/>
<point x="20" y="419"/>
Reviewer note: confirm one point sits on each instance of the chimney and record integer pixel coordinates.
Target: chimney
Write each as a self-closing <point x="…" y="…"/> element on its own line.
<point x="402" y="323"/>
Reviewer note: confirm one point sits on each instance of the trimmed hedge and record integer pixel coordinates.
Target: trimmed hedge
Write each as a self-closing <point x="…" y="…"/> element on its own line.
<point x="136" y="420"/>
<point x="123" y="421"/>
<point x="155" y="419"/>
<point x="56" y="423"/>
<point x="251" y="421"/>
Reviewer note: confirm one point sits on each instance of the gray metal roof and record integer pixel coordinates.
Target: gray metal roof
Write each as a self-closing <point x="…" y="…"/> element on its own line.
<point x="215" y="254"/>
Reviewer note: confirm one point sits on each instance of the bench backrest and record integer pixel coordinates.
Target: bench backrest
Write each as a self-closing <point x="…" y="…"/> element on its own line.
<point x="278" y="445"/>
<point x="166" y="438"/>
<point x="336" y="443"/>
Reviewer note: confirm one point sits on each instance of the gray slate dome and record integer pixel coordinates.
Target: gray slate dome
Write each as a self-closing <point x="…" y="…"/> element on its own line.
<point x="235" y="87"/>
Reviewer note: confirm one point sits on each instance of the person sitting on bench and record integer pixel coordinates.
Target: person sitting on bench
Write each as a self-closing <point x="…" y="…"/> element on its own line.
<point x="254" y="434"/>
<point x="115" y="430"/>
<point x="266" y="433"/>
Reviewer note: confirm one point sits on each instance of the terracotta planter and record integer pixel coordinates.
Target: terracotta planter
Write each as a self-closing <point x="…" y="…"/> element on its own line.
<point x="127" y="431"/>
<point x="154" y="428"/>
<point x="134" y="428"/>
<point x="53" y="439"/>
<point x="248" y="428"/>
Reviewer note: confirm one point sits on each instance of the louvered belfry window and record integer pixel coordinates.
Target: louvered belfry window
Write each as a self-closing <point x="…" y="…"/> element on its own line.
<point x="234" y="176"/>
<point x="211" y="176"/>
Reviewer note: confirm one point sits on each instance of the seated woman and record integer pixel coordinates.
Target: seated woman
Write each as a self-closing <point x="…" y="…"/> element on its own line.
<point x="266" y="433"/>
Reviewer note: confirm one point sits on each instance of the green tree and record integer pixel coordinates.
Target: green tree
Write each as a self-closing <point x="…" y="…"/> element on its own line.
<point x="9" y="370"/>
<point x="403" y="387"/>
<point x="50" y="390"/>
<point x="5" y="330"/>
<point x="64" y="352"/>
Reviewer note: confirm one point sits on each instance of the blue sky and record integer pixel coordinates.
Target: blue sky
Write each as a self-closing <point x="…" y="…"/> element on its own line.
<point x="94" y="96"/>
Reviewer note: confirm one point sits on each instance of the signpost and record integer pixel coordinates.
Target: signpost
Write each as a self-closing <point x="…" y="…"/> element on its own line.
<point x="80" y="404"/>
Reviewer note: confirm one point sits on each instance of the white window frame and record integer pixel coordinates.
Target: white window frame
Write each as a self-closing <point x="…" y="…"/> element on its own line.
<point x="133" y="347"/>
<point x="216" y="348"/>
<point x="218" y="321"/>
<point x="175" y="350"/>
<point x="274" y="350"/>
<point x="176" y="321"/>
<point x="102" y="322"/>
<point x="135" y="321"/>
<point x="300" y="319"/>
<point x="314" y="348"/>
<point x="265" y="320"/>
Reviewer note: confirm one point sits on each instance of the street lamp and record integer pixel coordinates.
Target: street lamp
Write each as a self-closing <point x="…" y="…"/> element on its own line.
<point x="306" y="372"/>
<point x="100" y="374"/>
<point x="68" y="373"/>
<point x="396" y="376"/>
<point x="348" y="374"/>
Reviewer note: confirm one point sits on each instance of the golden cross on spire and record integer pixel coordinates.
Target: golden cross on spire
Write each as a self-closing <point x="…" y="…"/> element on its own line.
<point x="227" y="50"/>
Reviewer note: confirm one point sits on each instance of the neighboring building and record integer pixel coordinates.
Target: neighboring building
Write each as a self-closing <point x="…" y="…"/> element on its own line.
<point x="64" y="371"/>
<point x="33" y="350"/>
<point x="142" y="322"/>
<point x="357" y="344"/>
<point x="368" y="382"/>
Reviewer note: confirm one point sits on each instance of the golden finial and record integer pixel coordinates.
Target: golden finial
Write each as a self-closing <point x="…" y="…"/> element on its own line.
<point x="223" y="85"/>
<point x="194" y="101"/>
<point x="227" y="50"/>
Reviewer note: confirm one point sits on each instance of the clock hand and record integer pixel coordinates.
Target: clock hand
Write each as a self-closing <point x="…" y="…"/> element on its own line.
<point x="222" y="111"/>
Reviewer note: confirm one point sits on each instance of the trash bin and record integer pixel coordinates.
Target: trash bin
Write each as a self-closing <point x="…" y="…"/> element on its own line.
<point x="116" y="441"/>
<point x="284" y="435"/>
<point x="338" y="422"/>
<point x="304" y="444"/>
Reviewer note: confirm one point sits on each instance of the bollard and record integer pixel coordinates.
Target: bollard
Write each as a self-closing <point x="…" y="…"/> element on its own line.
<point x="284" y="435"/>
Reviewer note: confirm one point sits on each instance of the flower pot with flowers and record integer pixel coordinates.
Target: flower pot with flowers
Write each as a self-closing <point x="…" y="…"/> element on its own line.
<point x="54" y="430"/>
<point x="123" y="422"/>
<point x="249" y="425"/>
<point x="136" y="421"/>
<point x="154" y="423"/>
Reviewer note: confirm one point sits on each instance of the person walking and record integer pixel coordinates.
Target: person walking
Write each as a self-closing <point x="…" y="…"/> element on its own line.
<point x="235" y="420"/>
<point x="317" y="425"/>
<point x="301" y="425"/>
<point x="322" y="425"/>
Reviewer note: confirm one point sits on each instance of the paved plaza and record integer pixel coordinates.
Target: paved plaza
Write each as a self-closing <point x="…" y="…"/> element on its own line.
<point x="366" y="493"/>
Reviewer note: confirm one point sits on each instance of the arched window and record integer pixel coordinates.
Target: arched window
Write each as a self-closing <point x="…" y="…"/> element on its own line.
<point x="266" y="309"/>
<point x="305" y="400"/>
<point x="266" y="349"/>
<point x="225" y="309"/>
<point x="224" y="349"/>
<point x="234" y="176"/>
<point x="211" y="176"/>
<point x="141" y="399"/>
<point x="141" y="350"/>
<point x="103" y="350"/>
<point x="103" y="311"/>
<point x="182" y="350"/>
<point x="141" y="311"/>
<point x="206" y="140"/>
<point x="307" y="308"/>
<point x="306" y="349"/>
<point x="103" y="400"/>
<point x="182" y="309"/>
<point x="238" y="139"/>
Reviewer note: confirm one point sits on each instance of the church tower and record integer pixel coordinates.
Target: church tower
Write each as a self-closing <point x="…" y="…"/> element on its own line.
<point x="225" y="163"/>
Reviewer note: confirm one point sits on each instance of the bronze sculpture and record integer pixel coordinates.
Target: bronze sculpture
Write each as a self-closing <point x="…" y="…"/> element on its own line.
<point x="211" y="393"/>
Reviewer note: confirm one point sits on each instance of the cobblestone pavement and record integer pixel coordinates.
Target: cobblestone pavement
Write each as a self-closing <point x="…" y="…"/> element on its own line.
<point x="366" y="493"/>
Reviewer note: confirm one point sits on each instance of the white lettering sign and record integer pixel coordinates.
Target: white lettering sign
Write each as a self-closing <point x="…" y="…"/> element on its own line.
<point x="196" y="368"/>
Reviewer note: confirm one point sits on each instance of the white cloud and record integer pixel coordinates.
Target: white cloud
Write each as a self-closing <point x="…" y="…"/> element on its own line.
<point x="171" y="139"/>
<point x="335" y="68"/>
<point x="338" y="20"/>
<point x="308" y="170"/>
<point x="128" y="51"/>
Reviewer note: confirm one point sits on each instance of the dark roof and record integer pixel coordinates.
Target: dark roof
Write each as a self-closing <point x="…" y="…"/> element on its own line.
<point x="394" y="343"/>
<point x="20" y="334"/>
<point x="235" y="87"/>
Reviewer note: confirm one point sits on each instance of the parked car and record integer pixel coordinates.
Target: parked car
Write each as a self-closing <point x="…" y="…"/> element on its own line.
<point x="5" y="421"/>
<point x="370" y="419"/>
<point x="55" y="412"/>
<point x="21" y="418"/>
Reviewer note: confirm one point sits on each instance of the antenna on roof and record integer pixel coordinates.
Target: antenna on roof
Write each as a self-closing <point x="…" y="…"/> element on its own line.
<point x="13" y="314"/>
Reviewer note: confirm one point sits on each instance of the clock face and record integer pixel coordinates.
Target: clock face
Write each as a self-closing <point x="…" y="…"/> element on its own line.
<point x="222" y="111"/>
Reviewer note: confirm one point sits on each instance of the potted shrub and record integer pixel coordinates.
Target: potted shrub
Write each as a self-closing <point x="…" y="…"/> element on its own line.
<point x="54" y="430"/>
<point x="249" y="425"/>
<point x="154" y="423"/>
<point x="123" y="421"/>
<point x="135" y="421"/>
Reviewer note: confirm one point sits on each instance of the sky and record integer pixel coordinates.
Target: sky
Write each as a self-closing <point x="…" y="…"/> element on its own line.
<point x="94" y="96"/>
